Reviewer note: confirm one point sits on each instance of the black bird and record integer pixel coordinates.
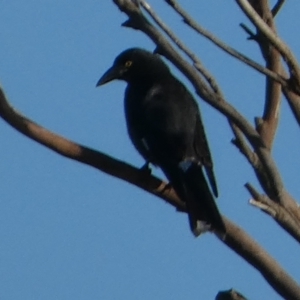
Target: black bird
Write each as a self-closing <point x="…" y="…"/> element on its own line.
<point x="164" y="125"/>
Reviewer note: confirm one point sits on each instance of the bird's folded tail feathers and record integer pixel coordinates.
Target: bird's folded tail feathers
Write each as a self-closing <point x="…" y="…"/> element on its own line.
<point x="203" y="202"/>
<point x="191" y="185"/>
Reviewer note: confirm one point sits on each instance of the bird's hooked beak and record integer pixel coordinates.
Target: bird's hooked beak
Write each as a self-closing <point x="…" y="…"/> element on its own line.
<point x="112" y="73"/>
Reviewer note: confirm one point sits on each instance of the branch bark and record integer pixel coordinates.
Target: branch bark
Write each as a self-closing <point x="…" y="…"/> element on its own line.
<point x="235" y="238"/>
<point x="267" y="125"/>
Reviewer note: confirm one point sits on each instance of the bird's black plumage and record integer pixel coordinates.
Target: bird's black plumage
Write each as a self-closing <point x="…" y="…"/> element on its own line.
<point x="165" y="126"/>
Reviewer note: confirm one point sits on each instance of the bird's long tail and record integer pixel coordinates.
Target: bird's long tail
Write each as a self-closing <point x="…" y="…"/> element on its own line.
<point x="191" y="185"/>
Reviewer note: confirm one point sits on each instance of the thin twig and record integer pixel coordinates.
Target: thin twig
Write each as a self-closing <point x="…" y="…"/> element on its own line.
<point x="293" y="100"/>
<point x="242" y="145"/>
<point x="252" y="35"/>
<point x="277" y="7"/>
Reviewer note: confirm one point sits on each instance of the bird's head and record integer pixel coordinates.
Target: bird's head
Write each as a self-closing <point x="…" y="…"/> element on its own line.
<point x="134" y="65"/>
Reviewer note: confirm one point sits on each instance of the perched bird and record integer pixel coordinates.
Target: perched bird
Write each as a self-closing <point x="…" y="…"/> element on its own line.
<point x="164" y="125"/>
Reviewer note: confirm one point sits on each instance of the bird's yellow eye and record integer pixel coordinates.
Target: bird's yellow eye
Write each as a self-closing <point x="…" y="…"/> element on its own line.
<point x="128" y="63"/>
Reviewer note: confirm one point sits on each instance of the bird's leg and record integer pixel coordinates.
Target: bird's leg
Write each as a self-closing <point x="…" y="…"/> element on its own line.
<point x="168" y="186"/>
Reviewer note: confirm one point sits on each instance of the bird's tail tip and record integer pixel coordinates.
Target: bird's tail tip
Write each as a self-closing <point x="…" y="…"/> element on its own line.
<point x="199" y="227"/>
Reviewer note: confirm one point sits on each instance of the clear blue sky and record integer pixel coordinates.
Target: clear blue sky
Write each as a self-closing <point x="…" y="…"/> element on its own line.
<point x="68" y="231"/>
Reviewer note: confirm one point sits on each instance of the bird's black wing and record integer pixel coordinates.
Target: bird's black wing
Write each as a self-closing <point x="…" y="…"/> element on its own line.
<point x="203" y="153"/>
<point x="200" y="151"/>
<point x="168" y="123"/>
<point x="170" y="119"/>
<point x="135" y="121"/>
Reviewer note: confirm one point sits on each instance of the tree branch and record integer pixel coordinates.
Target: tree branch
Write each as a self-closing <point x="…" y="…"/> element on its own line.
<point x="274" y="40"/>
<point x="277" y="7"/>
<point x="276" y="211"/>
<point x="267" y="125"/>
<point x="88" y="156"/>
<point x="226" y="48"/>
<point x="235" y="237"/>
<point x="293" y="100"/>
<point x="252" y="252"/>
<point x="242" y="145"/>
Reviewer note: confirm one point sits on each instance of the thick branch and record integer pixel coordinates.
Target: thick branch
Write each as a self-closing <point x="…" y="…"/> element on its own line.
<point x="235" y="238"/>
<point x="267" y="125"/>
<point x="240" y="242"/>
<point x="85" y="155"/>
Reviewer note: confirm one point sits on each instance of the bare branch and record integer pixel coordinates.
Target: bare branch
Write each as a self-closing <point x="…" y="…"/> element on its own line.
<point x="287" y="220"/>
<point x="252" y="252"/>
<point x="273" y="39"/>
<point x="85" y="155"/>
<point x="248" y="61"/>
<point x="235" y="237"/>
<point x="267" y="125"/>
<point x="294" y="102"/>
<point x="138" y="21"/>
<point x="252" y="35"/>
<point x="242" y="145"/>
<point x="276" y="211"/>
